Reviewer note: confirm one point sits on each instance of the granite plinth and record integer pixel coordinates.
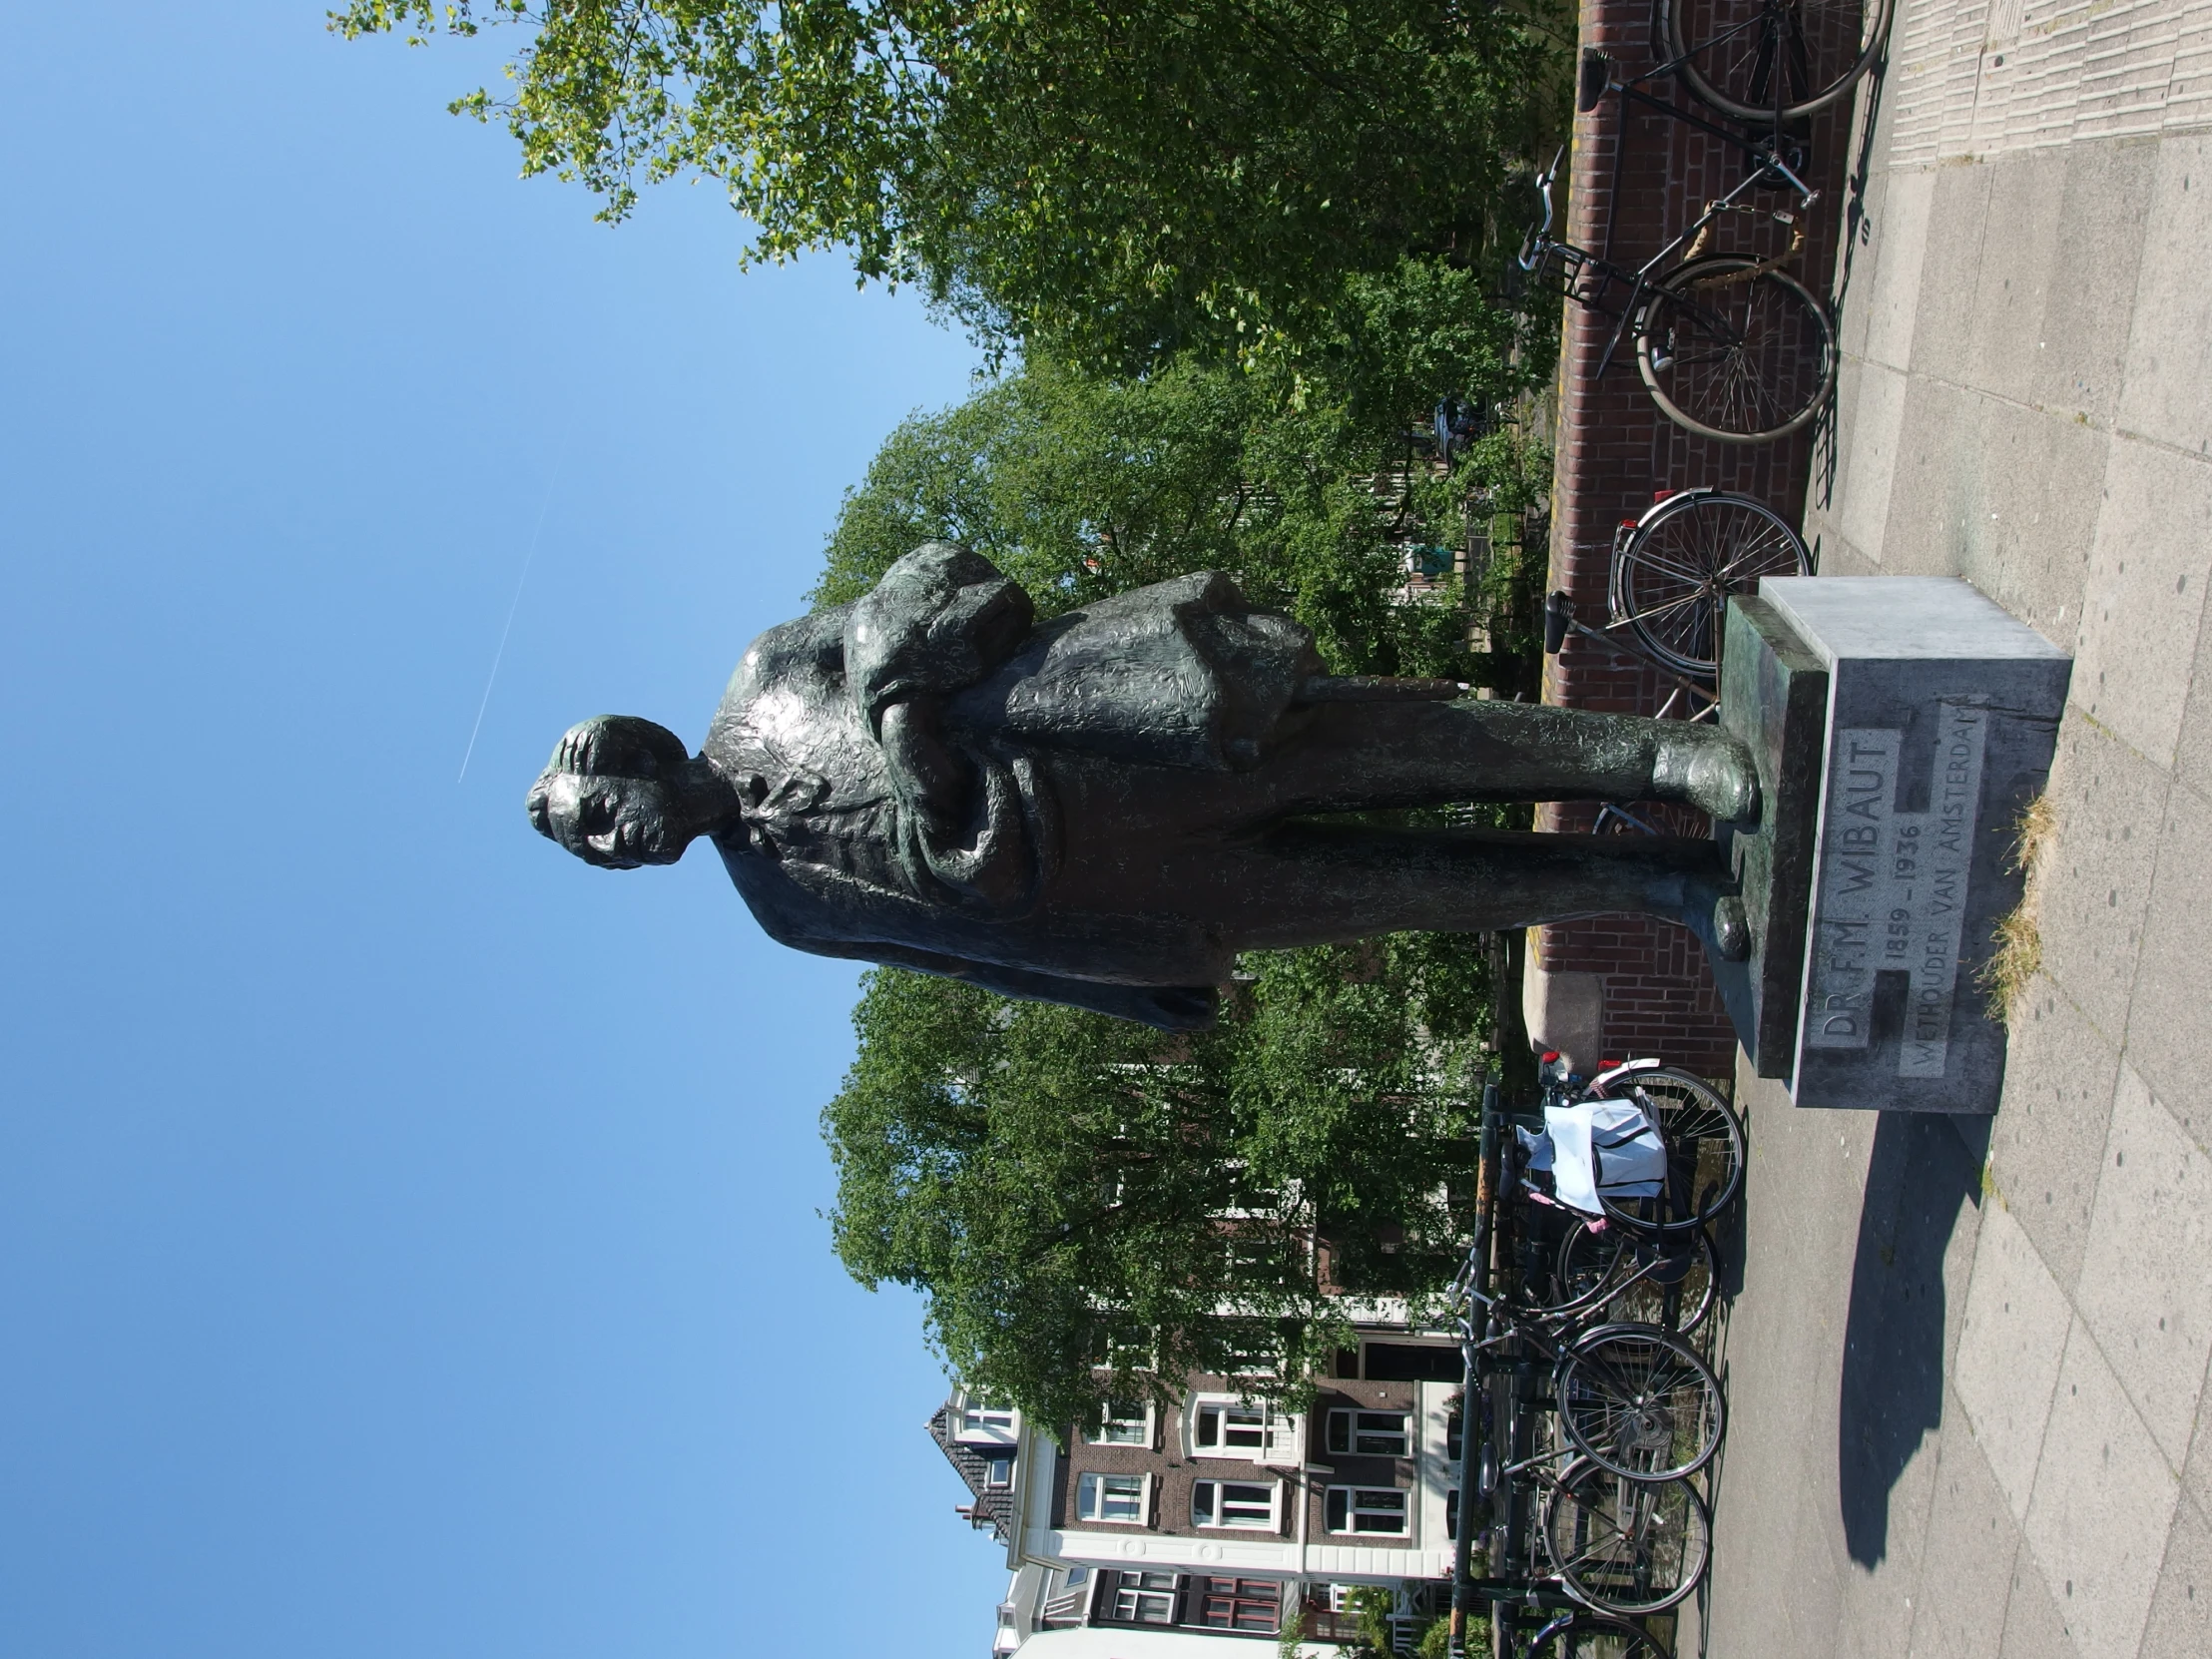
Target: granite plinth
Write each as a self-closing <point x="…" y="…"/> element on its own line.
<point x="1901" y="724"/>
<point x="1774" y="696"/>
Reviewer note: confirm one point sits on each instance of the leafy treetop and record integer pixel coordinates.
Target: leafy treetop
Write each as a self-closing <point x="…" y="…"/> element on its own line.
<point x="1125" y="181"/>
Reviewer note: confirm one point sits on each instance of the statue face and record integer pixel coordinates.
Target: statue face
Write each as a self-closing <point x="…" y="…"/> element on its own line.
<point x="614" y="822"/>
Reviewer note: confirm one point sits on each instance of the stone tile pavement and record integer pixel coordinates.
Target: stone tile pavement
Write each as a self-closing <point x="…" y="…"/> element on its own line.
<point x="1967" y="1363"/>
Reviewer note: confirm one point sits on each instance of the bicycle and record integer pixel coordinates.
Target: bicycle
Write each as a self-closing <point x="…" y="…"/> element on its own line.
<point x="1770" y="60"/>
<point x="1675" y="569"/>
<point x="1574" y="1634"/>
<point x="1622" y="1276"/>
<point x="1728" y="345"/>
<point x="1636" y="1399"/>
<point x="1704" y="1139"/>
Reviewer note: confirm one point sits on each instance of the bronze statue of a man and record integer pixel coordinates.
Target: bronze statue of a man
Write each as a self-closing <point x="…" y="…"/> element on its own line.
<point x="1105" y="810"/>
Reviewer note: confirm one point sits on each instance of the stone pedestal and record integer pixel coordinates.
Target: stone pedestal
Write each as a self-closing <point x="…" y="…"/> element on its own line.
<point x="1901" y="724"/>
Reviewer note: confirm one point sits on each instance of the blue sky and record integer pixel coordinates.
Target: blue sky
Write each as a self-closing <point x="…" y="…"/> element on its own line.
<point x="409" y="1237"/>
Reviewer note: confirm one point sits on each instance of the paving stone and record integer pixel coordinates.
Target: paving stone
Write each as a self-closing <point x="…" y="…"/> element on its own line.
<point x="1934" y="493"/>
<point x="2009" y="1350"/>
<point x="1965" y="1570"/>
<point x="2180" y="1625"/>
<point x="2173" y="985"/>
<point x="2020" y="248"/>
<point x="2035" y="1626"/>
<point x="2145" y="595"/>
<point x="2104" y="1497"/>
<point x="2193" y="746"/>
<point x="2098" y="869"/>
<point x="2146" y="1278"/>
<point x="2046" y="1146"/>
<point x="1876" y="404"/>
<point x="2166" y="391"/>
<point x="1951" y="269"/>
<point x="2083" y="344"/>
<point x="1890" y="300"/>
<point x="2025" y="502"/>
<point x="2196" y="1475"/>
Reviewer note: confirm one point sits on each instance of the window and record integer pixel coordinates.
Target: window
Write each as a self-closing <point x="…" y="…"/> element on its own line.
<point x="1118" y="1498"/>
<point x="1140" y="1597"/>
<point x="1375" y="1509"/>
<point x="1249" y="1349"/>
<point x="1241" y="1503"/>
<point x="1451" y="1514"/>
<point x="1454" y="1446"/>
<point x="1221" y="1425"/>
<point x="1123" y="1423"/>
<point x="1124" y="1347"/>
<point x="1369" y="1433"/>
<point x="998" y="1475"/>
<point x="1232" y="1429"/>
<point x="1412" y="1362"/>
<point x="979" y="1420"/>
<point x="1255" y="1258"/>
<point x="1254" y="1605"/>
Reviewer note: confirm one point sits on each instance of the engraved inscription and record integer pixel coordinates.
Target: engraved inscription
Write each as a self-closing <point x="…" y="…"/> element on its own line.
<point x="1891" y="896"/>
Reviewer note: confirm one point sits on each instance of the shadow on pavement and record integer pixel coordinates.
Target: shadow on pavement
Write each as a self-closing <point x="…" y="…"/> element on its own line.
<point x="1923" y="1172"/>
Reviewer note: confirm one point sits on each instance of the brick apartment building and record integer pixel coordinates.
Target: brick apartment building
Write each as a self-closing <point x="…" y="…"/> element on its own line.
<point x="1628" y="985"/>
<point x="1217" y="1516"/>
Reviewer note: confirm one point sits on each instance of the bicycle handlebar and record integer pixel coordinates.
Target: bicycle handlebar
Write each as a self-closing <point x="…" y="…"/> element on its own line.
<point x="1535" y="237"/>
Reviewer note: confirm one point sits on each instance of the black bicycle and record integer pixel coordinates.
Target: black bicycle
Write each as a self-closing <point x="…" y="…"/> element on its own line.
<point x="1704" y="1139"/>
<point x="1728" y="345"/>
<point x="1770" y="60"/>
<point x="1636" y="1399"/>
<point x="1676" y="567"/>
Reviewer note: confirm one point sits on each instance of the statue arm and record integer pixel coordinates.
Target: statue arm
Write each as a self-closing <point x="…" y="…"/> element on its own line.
<point x="1168" y="1007"/>
<point x="940" y="620"/>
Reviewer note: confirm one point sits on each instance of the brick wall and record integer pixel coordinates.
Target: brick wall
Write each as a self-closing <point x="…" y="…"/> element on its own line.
<point x="1615" y="450"/>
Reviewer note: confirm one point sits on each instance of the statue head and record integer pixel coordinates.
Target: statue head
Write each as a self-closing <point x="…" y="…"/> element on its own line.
<point x="621" y="792"/>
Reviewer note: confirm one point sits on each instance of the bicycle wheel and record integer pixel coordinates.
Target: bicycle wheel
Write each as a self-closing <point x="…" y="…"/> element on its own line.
<point x="1595" y="1636"/>
<point x="1673" y="577"/>
<point x="1626" y="1546"/>
<point x="1746" y="56"/>
<point x="1626" y="1280"/>
<point x="1705" y="1151"/>
<point x="1639" y="1401"/>
<point x="1734" y="352"/>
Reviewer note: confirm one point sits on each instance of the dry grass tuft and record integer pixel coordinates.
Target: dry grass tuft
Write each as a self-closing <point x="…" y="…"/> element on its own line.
<point x="2020" y="939"/>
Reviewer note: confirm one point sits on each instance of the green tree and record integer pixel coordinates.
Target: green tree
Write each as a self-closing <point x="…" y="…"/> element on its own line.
<point x="1124" y="180"/>
<point x="1079" y="487"/>
<point x="1071" y="1192"/>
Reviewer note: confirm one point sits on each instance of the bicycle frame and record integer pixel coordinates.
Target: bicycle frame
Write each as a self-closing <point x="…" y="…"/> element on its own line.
<point x="1539" y="247"/>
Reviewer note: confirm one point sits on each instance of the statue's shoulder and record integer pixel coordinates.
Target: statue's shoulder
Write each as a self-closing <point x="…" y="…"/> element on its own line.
<point x="806" y="654"/>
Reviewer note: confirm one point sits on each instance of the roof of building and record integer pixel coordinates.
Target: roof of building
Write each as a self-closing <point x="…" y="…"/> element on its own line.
<point x="994" y="1505"/>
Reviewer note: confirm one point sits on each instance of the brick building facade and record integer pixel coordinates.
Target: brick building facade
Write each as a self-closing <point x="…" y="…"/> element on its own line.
<point x="1626" y="986"/>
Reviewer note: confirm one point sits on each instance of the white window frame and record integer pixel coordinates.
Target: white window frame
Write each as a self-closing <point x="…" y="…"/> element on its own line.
<point x="1352" y="1511"/>
<point x="1099" y="1434"/>
<point x="1090" y="1488"/>
<point x="993" y="1468"/>
<point x="1276" y="1429"/>
<point x="1111" y="1596"/>
<point x="1249" y="1520"/>
<point x="1349" y="1416"/>
<point x="977" y="1421"/>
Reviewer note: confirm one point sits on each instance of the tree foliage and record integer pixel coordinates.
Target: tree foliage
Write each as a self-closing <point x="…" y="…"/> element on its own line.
<point x="1071" y="1192"/>
<point x="1080" y="487"/>
<point x="1125" y="181"/>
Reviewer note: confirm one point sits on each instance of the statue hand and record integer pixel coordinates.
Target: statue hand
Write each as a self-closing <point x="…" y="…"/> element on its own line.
<point x="929" y="778"/>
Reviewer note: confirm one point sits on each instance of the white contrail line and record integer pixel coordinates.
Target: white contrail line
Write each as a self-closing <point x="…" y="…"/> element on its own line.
<point x="513" y="605"/>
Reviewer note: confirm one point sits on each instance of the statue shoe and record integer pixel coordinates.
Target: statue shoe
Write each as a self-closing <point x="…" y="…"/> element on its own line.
<point x="1710" y="908"/>
<point x="1712" y="772"/>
